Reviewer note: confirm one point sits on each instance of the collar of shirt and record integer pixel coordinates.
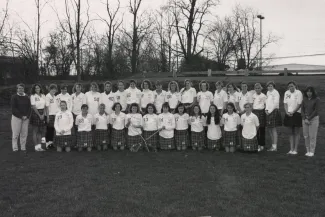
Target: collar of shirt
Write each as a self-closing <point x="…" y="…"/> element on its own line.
<point x="21" y="94"/>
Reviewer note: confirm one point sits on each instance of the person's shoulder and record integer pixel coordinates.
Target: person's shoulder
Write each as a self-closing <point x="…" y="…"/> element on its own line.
<point x="79" y="116"/>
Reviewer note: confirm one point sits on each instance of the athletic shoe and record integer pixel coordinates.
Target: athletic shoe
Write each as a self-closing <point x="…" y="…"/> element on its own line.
<point x="272" y="149"/>
<point x="307" y="154"/>
<point x="260" y="148"/>
<point x="294" y="153"/>
<point x="39" y="148"/>
<point x="290" y="152"/>
<point x="311" y="154"/>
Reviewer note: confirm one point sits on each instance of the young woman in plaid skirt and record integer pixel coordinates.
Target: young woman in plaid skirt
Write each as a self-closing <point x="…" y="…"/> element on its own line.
<point x="37" y="119"/>
<point x="166" y="126"/>
<point x="214" y="133"/>
<point x="101" y="121"/>
<point x="181" y="128"/>
<point x="197" y="122"/>
<point x="63" y="124"/>
<point x="52" y="107"/>
<point x="259" y="100"/>
<point x="250" y="124"/>
<point x="230" y="122"/>
<point x="147" y="96"/>
<point x="84" y="121"/>
<point x="273" y="115"/>
<point x="134" y="124"/>
<point x="150" y="126"/>
<point x="117" y="121"/>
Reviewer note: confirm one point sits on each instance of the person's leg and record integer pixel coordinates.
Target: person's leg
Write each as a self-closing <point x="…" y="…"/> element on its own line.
<point x="16" y="126"/>
<point x="291" y="138"/>
<point x="313" y="130"/>
<point x="24" y="134"/>
<point x="262" y="136"/>
<point x="34" y="135"/>
<point x="305" y="132"/>
<point x="275" y="136"/>
<point x="297" y="138"/>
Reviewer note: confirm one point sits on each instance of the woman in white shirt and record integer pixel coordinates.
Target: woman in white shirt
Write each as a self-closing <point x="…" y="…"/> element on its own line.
<point x="173" y="97"/>
<point x="197" y="122"/>
<point x="117" y="121"/>
<point x="51" y="110"/>
<point x="250" y="124"/>
<point x="92" y="98"/>
<point x="101" y="121"/>
<point x="188" y="95"/>
<point x="181" y="128"/>
<point x="220" y="97"/>
<point x="147" y="95"/>
<point x="214" y="132"/>
<point x="204" y="97"/>
<point x="63" y="124"/>
<point x="259" y="100"/>
<point x="134" y="123"/>
<point x="107" y="97"/>
<point x="150" y="126"/>
<point x="160" y="96"/>
<point x="133" y="95"/>
<point x="273" y="115"/>
<point x="233" y="95"/>
<point x="166" y="126"/>
<point x="244" y="97"/>
<point x="78" y="99"/>
<point x="231" y="122"/>
<point x="84" y="121"/>
<point x="64" y="96"/>
<point x="37" y="119"/>
<point x="120" y="96"/>
<point x="293" y="120"/>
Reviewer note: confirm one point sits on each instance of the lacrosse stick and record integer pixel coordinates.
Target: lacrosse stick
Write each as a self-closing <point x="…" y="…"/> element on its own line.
<point x="145" y="140"/>
<point x="136" y="147"/>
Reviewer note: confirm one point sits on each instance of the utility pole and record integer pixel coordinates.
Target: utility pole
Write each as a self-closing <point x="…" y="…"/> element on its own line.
<point x="261" y="42"/>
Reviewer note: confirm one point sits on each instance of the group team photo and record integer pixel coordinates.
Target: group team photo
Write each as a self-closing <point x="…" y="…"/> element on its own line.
<point x="151" y="118"/>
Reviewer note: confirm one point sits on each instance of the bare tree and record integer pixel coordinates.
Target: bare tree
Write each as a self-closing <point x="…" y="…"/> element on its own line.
<point x="113" y="24"/>
<point x="75" y="27"/>
<point x="3" y="20"/>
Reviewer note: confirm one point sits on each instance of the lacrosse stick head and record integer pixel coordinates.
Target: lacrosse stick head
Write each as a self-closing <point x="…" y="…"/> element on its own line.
<point x="135" y="147"/>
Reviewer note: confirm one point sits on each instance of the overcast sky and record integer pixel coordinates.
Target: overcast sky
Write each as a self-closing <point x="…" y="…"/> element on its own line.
<point x="300" y="23"/>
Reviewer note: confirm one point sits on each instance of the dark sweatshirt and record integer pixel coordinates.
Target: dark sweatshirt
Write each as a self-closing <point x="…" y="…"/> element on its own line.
<point x="310" y="108"/>
<point x="20" y="106"/>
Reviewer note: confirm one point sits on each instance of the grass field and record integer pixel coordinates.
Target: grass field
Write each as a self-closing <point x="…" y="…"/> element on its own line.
<point x="164" y="184"/>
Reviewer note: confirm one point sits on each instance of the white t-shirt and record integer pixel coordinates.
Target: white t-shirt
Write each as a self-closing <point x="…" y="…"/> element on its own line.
<point x="108" y="100"/>
<point x="101" y="121"/>
<point x="233" y="97"/>
<point x="187" y="96"/>
<point x="181" y="121"/>
<point x="77" y="102"/>
<point x="230" y="122"/>
<point x="205" y="99"/>
<point x="167" y="120"/>
<point x="52" y="104"/>
<point x="117" y="121"/>
<point x="135" y="119"/>
<point x="84" y="123"/>
<point x="220" y="98"/>
<point x="38" y="101"/>
<point x="249" y="125"/>
<point x="150" y="122"/>
<point x="92" y="99"/>
<point x="197" y="123"/>
<point x="173" y="99"/>
<point x="121" y="98"/>
<point x="159" y="100"/>
<point x="272" y="100"/>
<point x="293" y="99"/>
<point x="67" y="98"/>
<point x="147" y="97"/>
<point x="214" y="131"/>
<point x="259" y="101"/>
<point x="243" y="99"/>
<point x="63" y="121"/>
<point x="133" y="96"/>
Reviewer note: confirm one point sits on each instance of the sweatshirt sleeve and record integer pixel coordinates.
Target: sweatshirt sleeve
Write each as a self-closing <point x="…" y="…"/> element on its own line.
<point x="56" y="122"/>
<point x="14" y="107"/>
<point x="315" y="112"/>
<point x="70" y="121"/>
<point x="303" y="114"/>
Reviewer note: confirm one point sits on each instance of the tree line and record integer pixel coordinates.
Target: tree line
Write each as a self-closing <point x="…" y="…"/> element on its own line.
<point x="182" y="35"/>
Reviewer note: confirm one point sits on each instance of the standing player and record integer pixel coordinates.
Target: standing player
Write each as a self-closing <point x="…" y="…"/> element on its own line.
<point x="65" y="96"/>
<point x="244" y="97"/>
<point x="78" y="99"/>
<point x="197" y="122"/>
<point x="214" y="132"/>
<point x="133" y="95"/>
<point x="204" y="97"/>
<point x="134" y="124"/>
<point x="121" y="96"/>
<point x="107" y="97"/>
<point x="160" y="96"/>
<point x="92" y="98"/>
<point x="173" y="97"/>
<point x="220" y="98"/>
<point x="84" y="121"/>
<point x="150" y="126"/>
<point x="147" y="95"/>
<point x="188" y="95"/>
<point x="52" y="108"/>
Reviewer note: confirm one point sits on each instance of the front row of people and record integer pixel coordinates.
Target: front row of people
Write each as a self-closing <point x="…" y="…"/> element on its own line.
<point x="165" y="131"/>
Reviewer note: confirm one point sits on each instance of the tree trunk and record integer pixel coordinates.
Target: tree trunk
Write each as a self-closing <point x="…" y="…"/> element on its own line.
<point x="134" y="45"/>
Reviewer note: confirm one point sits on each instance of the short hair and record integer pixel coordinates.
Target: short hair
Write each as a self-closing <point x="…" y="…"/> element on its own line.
<point x="294" y="83"/>
<point x="312" y="90"/>
<point x="53" y="86"/>
<point x="187" y="80"/>
<point x="84" y="106"/>
<point x="34" y="87"/>
<point x="219" y="83"/>
<point x="133" y="81"/>
<point x="75" y="85"/>
<point x="63" y="101"/>
<point x="270" y="83"/>
<point x="63" y="86"/>
<point x="158" y="82"/>
<point x="134" y="105"/>
<point x="180" y="105"/>
<point x="165" y="105"/>
<point x="204" y="82"/>
<point x="20" y="85"/>
<point x="153" y="106"/>
<point x="94" y="84"/>
<point x="102" y="104"/>
<point x="116" y="104"/>
<point x="148" y="82"/>
<point x="258" y="85"/>
<point x="250" y="105"/>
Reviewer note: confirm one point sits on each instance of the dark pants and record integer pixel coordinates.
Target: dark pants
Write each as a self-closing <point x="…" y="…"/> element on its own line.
<point x="49" y="133"/>
<point x="261" y="136"/>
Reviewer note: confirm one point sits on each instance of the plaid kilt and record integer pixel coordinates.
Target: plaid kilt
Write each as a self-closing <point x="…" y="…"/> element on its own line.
<point x="84" y="137"/>
<point x="62" y="141"/>
<point x="51" y="121"/>
<point x="274" y="119"/>
<point x="181" y="138"/>
<point x="261" y="116"/>
<point x="166" y="144"/>
<point x="117" y="136"/>
<point x="294" y="121"/>
<point x="153" y="141"/>
<point x="35" y="120"/>
<point x="197" y="138"/>
<point x="230" y="139"/>
<point x="101" y="137"/>
<point x="134" y="140"/>
<point x="214" y="144"/>
<point x="250" y="144"/>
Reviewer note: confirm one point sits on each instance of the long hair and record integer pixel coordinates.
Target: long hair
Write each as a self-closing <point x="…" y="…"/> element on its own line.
<point x="148" y="82"/>
<point x="173" y="82"/>
<point x="216" y="115"/>
<point x="233" y="85"/>
<point x="200" y="112"/>
<point x="312" y="90"/>
<point x="186" y="80"/>
<point x="153" y="106"/>
<point x="232" y="105"/>
<point x="74" y="87"/>
<point x="94" y="84"/>
<point x="180" y="105"/>
<point x="204" y="82"/>
<point x="134" y="105"/>
<point x="33" y="89"/>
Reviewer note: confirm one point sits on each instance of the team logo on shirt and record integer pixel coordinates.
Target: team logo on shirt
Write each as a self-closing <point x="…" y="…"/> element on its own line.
<point x="81" y="121"/>
<point x="146" y="119"/>
<point x="113" y="119"/>
<point x="288" y="96"/>
<point x="51" y="101"/>
<point x="37" y="99"/>
<point x="97" y="119"/>
<point x="161" y="119"/>
<point x="111" y="98"/>
<point x="128" y="95"/>
<point x="118" y="97"/>
<point x="60" y="117"/>
<point x="169" y="96"/>
<point x="96" y="99"/>
<point x="177" y="119"/>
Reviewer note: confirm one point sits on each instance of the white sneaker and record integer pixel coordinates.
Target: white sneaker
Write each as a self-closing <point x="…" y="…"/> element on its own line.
<point x="294" y="153"/>
<point x="307" y="154"/>
<point x="272" y="149"/>
<point x="39" y="148"/>
<point x="290" y="152"/>
<point x="311" y="154"/>
<point x="260" y="148"/>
